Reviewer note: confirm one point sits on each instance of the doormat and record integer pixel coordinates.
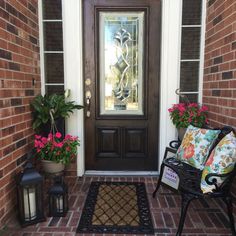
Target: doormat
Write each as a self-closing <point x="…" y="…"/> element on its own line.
<point x="116" y="207"/>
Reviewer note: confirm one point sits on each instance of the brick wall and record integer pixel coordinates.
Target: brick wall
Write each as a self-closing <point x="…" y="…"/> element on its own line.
<point x="19" y="82"/>
<point x="219" y="85"/>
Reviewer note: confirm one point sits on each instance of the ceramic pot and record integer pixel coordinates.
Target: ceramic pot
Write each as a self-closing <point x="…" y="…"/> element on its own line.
<point x="181" y="133"/>
<point x="52" y="167"/>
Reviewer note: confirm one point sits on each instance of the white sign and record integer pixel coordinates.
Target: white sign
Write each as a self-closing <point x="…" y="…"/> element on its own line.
<point x="170" y="178"/>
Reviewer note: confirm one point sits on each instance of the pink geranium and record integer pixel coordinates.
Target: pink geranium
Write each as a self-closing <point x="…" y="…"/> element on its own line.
<point x="56" y="148"/>
<point x="184" y="114"/>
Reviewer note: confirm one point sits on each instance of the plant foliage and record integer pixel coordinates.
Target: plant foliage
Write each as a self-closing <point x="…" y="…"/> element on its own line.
<point x="55" y="104"/>
<point x="184" y="114"/>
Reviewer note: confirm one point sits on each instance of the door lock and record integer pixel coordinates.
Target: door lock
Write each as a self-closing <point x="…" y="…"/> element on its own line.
<point x="88" y="102"/>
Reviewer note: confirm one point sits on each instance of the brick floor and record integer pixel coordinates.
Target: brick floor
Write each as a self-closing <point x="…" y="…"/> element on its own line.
<point x="204" y="218"/>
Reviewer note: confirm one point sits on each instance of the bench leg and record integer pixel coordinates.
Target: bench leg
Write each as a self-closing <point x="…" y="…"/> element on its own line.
<point x="159" y="182"/>
<point x="186" y="199"/>
<point x="229" y="204"/>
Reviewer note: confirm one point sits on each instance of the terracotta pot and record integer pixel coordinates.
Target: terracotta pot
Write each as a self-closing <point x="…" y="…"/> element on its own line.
<point x="52" y="167"/>
<point x="181" y="133"/>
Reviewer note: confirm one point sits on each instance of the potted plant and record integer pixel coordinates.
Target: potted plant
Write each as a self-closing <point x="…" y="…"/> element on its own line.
<point x="54" y="151"/>
<point x="184" y="114"/>
<point x="53" y="147"/>
<point x="51" y="108"/>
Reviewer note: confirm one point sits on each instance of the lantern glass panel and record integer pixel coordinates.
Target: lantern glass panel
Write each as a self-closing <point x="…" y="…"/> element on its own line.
<point x="59" y="203"/>
<point x="30" y="209"/>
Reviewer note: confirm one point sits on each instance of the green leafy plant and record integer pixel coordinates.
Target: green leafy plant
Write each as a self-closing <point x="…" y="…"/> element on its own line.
<point x="48" y="108"/>
<point x="184" y="114"/>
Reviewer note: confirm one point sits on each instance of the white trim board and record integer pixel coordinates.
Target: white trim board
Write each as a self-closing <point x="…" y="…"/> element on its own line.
<point x="73" y="63"/>
<point x="121" y="173"/>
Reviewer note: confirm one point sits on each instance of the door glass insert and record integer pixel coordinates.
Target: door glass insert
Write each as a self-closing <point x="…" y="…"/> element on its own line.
<point x="121" y="63"/>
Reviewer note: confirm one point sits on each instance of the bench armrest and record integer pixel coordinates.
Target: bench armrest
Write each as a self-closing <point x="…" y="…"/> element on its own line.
<point x="224" y="185"/>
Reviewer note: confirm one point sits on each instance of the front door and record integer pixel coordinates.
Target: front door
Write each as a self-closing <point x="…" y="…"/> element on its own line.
<point x="121" y="71"/>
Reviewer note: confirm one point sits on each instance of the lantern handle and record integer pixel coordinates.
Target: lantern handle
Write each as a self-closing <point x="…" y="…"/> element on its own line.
<point x="28" y="165"/>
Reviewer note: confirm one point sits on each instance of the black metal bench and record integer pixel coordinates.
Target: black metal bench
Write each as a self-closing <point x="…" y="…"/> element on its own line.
<point x="189" y="185"/>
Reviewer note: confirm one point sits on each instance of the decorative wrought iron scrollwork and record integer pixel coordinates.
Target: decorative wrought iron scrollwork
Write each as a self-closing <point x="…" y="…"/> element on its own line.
<point x="213" y="179"/>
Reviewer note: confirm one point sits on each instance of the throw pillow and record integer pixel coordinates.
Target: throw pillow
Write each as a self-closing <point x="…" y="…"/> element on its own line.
<point x="196" y="145"/>
<point x="221" y="161"/>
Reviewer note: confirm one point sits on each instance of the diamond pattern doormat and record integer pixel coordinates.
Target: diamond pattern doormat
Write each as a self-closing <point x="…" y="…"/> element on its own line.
<point x="116" y="207"/>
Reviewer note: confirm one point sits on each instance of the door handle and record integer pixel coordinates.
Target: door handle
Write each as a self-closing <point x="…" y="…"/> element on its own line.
<point x="88" y="102"/>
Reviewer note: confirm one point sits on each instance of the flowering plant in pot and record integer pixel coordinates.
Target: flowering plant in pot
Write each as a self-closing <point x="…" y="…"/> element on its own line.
<point x="184" y="114"/>
<point x="54" y="149"/>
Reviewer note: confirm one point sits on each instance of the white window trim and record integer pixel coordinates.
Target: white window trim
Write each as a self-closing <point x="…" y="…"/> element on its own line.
<point x="201" y="54"/>
<point x="41" y="46"/>
<point x="202" y="51"/>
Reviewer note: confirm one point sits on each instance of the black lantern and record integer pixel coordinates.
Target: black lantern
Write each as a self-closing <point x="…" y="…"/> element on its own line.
<point x="30" y="196"/>
<point x="58" y="198"/>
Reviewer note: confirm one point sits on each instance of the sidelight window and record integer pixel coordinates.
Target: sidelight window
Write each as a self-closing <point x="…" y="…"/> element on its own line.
<point x="191" y="45"/>
<point x="52" y="55"/>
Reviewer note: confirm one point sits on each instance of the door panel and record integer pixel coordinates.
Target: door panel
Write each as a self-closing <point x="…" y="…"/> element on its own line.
<point x="121" y="69"/>
<point x="108" y="142"/>
<point x="135" y="143"/>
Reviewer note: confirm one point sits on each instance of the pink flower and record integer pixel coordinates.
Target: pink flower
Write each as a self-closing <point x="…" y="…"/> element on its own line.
<point x="50" y="136"/>
<point x="204" y="108"/>
<point x="41" y="145"/>
<point x="58" y="135"/>
<point x="181" y="107"/>
<point x="36" y="143"/>
<point x="74" y="138"/>
<point x="37" y="136"/>
<point x="193" y="104"/>
<point x="44" y="140"/>
<point x="68" y="136"/>
<point x="59" y="145"/>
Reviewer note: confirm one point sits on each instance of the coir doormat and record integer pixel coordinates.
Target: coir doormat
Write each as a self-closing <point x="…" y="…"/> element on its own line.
<point x="116" y="207"/>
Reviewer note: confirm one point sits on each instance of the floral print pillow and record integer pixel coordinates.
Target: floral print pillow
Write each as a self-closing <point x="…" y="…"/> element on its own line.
<point x="221" y="161"/>
<point x="195" y="146"/>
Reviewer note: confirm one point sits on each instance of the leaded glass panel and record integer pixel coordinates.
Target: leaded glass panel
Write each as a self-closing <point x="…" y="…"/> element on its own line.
<point x="121" y="63"/>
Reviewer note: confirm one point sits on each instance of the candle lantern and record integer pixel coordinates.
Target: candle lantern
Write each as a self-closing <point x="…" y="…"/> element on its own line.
<point x="58" y="198"/>
<point x="30" y="196"/>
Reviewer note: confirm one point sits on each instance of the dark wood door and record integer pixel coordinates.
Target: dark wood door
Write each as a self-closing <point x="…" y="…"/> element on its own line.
<point x="121" y="71"/>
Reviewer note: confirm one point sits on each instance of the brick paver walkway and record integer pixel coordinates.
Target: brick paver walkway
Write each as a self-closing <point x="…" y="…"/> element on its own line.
<point x="204" y="218"/>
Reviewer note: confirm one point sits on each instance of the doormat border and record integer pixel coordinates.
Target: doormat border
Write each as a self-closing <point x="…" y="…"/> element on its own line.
<point x="145" y="227"/>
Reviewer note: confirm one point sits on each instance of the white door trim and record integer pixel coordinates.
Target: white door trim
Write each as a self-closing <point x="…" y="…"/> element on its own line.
<point x="170" y="64"/>
<point x="170" y="55"/>
<point x="73" y="69"/>
<point x="122" y="173"/>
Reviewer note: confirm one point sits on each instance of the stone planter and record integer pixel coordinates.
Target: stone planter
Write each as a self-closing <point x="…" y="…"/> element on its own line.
<point x="181" y="133"/>
<point x="52" y="167"/>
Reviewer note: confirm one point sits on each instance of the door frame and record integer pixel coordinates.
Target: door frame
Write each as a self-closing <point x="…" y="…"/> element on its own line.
<point x="169" y="79"/>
